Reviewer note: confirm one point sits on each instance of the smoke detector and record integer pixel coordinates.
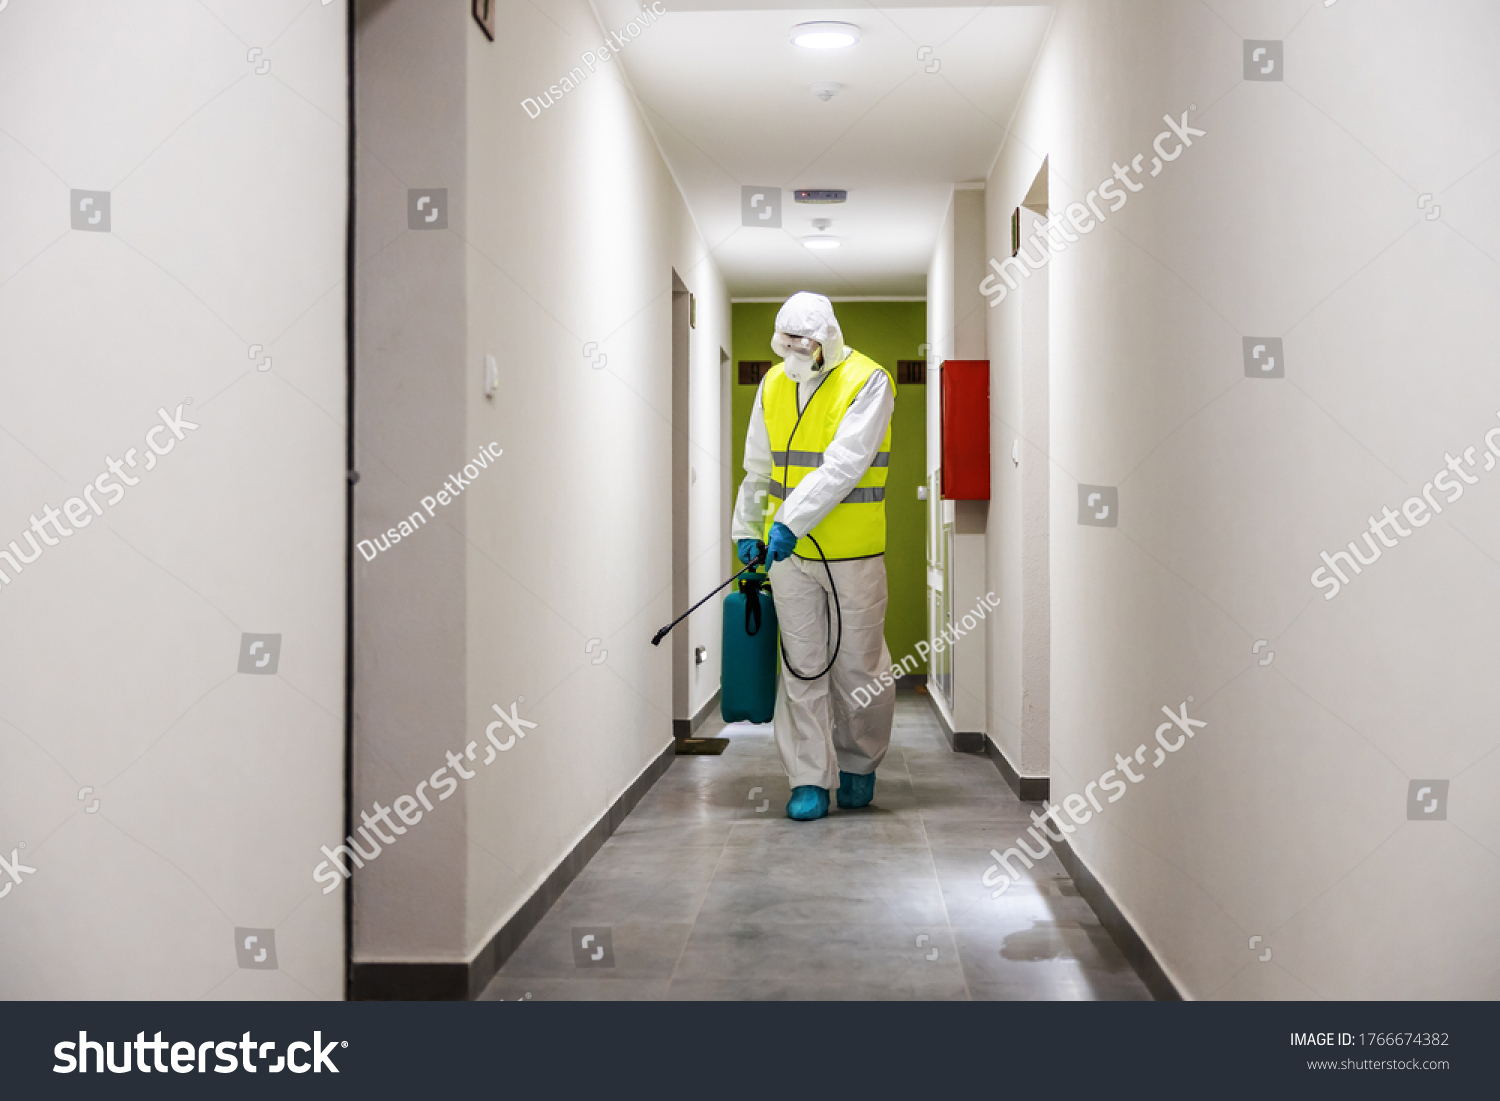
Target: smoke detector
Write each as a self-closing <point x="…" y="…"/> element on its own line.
<point x="826" y="89"/>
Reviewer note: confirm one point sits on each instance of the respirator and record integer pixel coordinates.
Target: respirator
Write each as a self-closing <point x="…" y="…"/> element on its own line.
<point x="802" y="356"/>
<point x="807" y="337"/>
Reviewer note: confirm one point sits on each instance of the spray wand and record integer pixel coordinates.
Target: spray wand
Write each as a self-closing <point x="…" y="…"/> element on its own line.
<point x="760" y="556"/>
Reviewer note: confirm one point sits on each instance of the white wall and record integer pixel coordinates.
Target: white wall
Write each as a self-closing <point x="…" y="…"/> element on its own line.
<point x="119" y="647"/>
<point x="940" y="323"/>
<point x="708" y="535"/>
<point x="969" y="320"/>
<point x="1296" y="216"/>
<point x="412" y="373"/>
<point x="578" y="248"/>
<point x="940" y="331"/>
<point x="956" y="326"/>
<point x="564" y="232"/>
<point x="1019" y="633"/>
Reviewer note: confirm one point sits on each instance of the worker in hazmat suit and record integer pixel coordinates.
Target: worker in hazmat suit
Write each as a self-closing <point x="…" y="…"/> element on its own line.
<point x="816" y="458"/>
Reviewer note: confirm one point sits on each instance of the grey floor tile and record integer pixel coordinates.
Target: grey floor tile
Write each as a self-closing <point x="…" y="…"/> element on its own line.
<point x="654" y="863"/>
<point x="891" y="783"/>
<point x="1046" y="953"/>
<point x="773" y="898"/>
<point x="912" y="986"/>
<point x="841" y="831"/>
<point x="832" y="954"/>
<point x="907" y="862"/>
<point x="890" y="777"/>
<point x="944" y="787"/>
<point x="725" y="785"/>
<point x="971" y="873"/>
<point x="920" y="738"/>
<point x="684" y="808"/>
<point x="603" y="899"/>
<point x="979" y="835"/>
<point x="893" y="807"/>
<point x="972" y="855"/>
<point x="1059" y="984"/>
<point x="906" y="736"/>
<point x="667" y="834"/>
<point x="724" y="796"/>
<point x="1040" y="900"/>
<point x="980" y="776"/>
<point x="710" y="892"/>
<point x="943" y="756"/>
<point x="979" y="808"/>
<point x="640" y="952"/>
<point x="505" y="988"/>
<point x="969" y="897"/>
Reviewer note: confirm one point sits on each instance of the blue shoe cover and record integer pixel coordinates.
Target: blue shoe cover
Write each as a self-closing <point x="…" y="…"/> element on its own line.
<point x="807" y="803"/>
<point x="855" y="790"/>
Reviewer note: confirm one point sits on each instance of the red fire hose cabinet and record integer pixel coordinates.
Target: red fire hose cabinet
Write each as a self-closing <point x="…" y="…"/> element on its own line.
<point x="966" y="429"/>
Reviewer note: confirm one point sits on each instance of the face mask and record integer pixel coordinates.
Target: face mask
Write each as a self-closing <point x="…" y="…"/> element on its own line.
<point x="800" y="368"/>
<point x="800" y="356"/>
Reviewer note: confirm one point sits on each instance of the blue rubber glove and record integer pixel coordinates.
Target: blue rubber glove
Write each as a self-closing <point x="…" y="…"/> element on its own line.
<point x="748" y="549"/>
<point x="780" y="543"/>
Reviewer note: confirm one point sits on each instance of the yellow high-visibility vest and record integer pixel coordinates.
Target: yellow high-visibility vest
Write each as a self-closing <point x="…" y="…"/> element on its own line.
<point x="856" y="526"/>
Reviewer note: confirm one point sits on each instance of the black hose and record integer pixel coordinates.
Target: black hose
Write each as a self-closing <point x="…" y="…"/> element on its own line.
<point x="831" y="586"/>
<point x="839" y="640"/>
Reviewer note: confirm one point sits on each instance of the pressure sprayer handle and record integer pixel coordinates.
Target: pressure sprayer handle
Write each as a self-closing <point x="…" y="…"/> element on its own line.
<point x="759" y="558"/>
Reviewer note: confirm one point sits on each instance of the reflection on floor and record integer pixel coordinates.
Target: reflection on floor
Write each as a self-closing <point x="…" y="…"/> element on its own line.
<point x="707" y="891"/>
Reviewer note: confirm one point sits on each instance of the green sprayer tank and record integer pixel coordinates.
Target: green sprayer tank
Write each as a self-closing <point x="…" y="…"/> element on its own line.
<point x="749" y="654"/>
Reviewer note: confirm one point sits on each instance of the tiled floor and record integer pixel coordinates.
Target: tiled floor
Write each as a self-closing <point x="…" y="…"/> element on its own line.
<point x="702" y="894"/>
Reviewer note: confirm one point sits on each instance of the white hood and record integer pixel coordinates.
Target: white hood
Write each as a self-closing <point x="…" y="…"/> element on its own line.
<point x="808" y="315"/>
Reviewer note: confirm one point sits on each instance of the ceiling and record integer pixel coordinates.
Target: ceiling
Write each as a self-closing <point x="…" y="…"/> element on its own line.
<point x="729" y="99"/>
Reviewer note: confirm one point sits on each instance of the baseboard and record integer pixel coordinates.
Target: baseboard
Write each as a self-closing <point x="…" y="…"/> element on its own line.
<point x="911" y="680"/>
<point x="419" y="982"/>
<point x="686" y="728"/>
<point x="960" y="741"/>
<point x="1124" y="934"/>
<point x="408" y="982"/>
<point x="1028" y="789"/>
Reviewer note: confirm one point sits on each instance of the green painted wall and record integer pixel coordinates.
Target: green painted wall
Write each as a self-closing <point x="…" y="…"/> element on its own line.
<point x="886" y="332"/>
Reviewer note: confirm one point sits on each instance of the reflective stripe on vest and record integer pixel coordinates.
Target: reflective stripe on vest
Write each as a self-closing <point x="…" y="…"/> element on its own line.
<point x="855" y="528"/>
<point x="853" y="497"/>
<point x="815" y="458"/>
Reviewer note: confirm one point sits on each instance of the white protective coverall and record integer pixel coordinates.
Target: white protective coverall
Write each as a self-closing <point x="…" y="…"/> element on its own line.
<point x="820" y="728"/>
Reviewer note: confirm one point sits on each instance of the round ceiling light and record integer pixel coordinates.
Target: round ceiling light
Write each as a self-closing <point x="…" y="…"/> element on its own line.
<point x="823" y="241"/>
<point x="824" y="36"/>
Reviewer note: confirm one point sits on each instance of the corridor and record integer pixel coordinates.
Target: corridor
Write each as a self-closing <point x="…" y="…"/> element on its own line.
<point x="708" y="893"/>
<point x="394" y="393"/>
